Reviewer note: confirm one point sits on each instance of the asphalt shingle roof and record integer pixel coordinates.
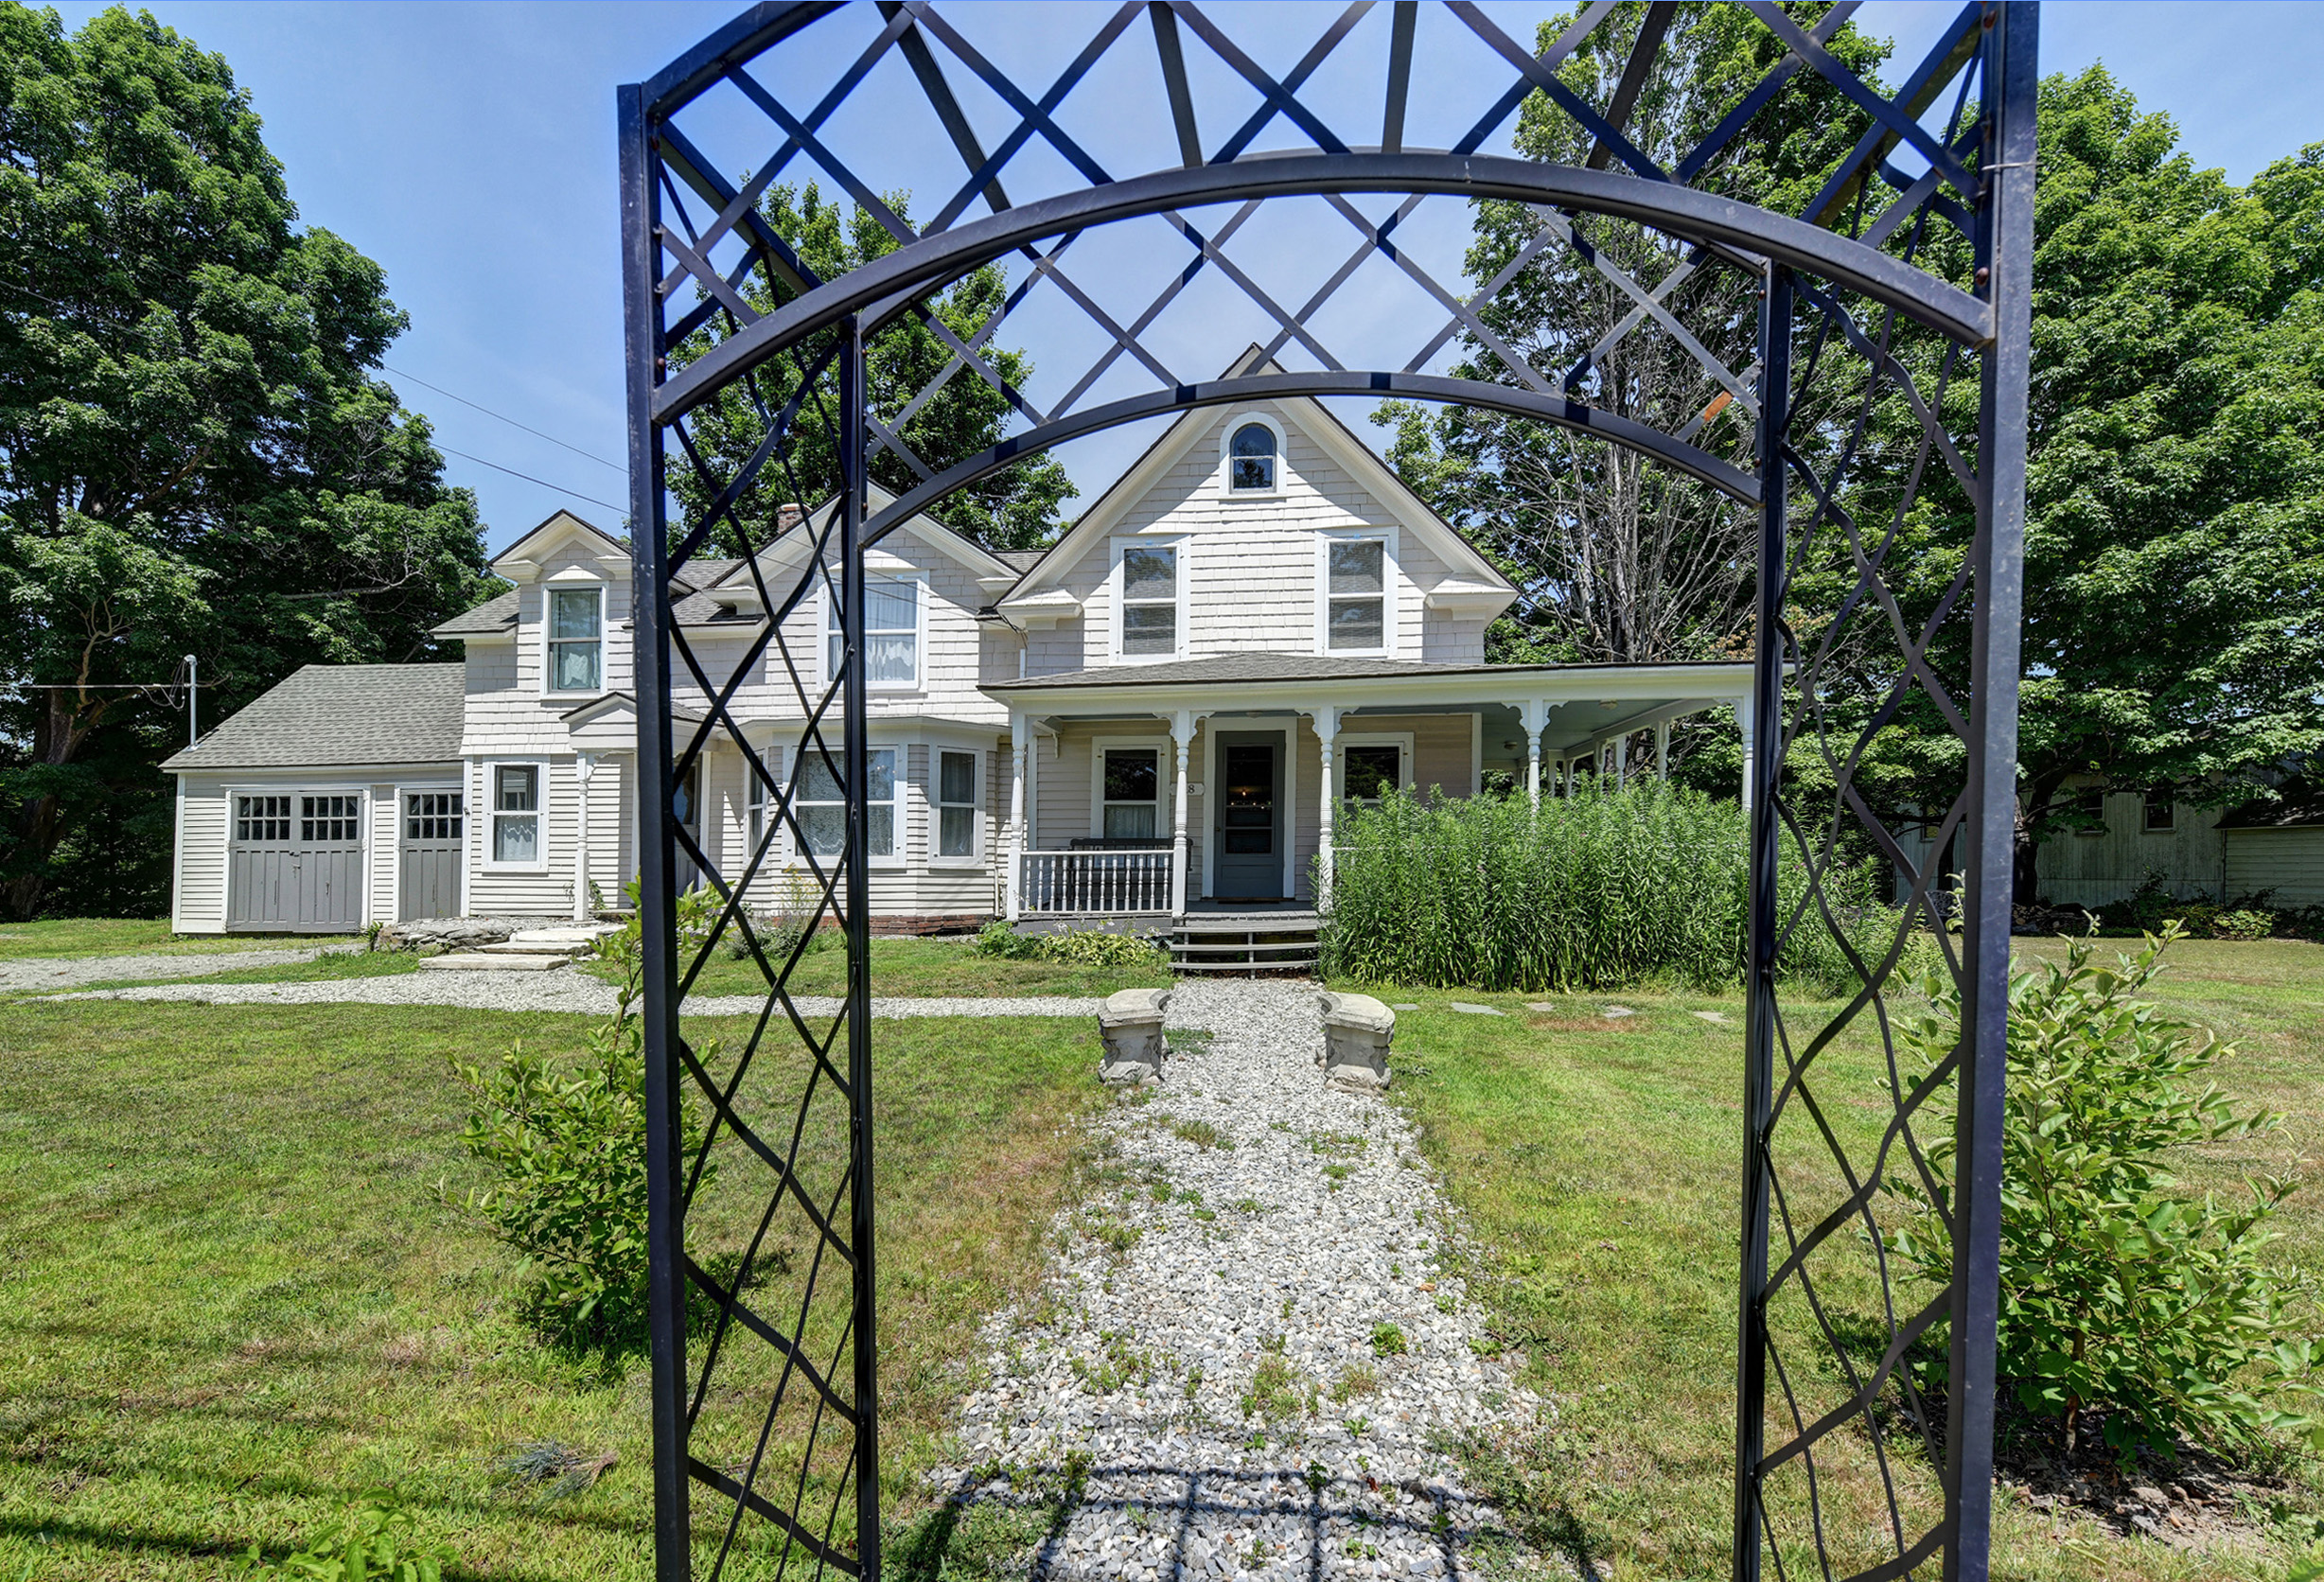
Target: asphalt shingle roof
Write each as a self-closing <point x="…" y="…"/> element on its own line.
<point x="495" y="615"/>
<point x="327" y="715"/>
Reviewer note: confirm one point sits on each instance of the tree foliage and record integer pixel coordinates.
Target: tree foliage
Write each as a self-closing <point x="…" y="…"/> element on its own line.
<point x="193" y="457"/>
<point x="1015" y="507"/>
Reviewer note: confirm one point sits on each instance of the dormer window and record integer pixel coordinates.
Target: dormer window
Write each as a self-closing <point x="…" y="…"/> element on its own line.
<point x="576" y="639"/>
<point x="1250" y="459"/>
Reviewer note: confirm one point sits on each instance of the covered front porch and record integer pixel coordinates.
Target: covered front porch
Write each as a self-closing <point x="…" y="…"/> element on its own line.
<point x="1214" y="786"/>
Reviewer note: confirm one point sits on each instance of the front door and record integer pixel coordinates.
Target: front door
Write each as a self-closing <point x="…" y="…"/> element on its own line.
<point x="1247" y="821"/>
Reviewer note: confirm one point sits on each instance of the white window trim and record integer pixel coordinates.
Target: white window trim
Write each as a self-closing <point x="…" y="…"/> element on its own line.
<point x="488" y="824"/>
<point x="791" y="857"/>
<point x="1400" y="740"/>
<point x="1283" y="457"/>
<point x="1165" y="769"/>
<point x="574" y="585"/>
<point x="1180" y="543"/>
<point x="936" y="806"/>
<point x="1385" y="537"/>
<point x="824" y="633"/>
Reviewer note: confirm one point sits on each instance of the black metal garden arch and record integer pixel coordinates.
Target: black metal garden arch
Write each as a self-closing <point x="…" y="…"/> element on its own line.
<point x="716" y="302"/>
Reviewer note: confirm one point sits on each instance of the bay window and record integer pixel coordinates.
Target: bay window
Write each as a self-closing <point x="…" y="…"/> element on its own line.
<point x="956" y="805"/>
<point x="822" y="802"/>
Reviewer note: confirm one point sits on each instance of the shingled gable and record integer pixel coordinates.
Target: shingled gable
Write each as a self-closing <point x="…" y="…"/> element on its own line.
<point x="1474" y="580"/>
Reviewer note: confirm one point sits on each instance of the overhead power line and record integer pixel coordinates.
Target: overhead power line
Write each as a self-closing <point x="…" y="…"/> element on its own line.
<point x="529" y="479"/>
<point x="505" y="418"/>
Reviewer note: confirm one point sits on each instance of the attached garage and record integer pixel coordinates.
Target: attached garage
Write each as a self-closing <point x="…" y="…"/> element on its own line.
<point x="331" y="802"/>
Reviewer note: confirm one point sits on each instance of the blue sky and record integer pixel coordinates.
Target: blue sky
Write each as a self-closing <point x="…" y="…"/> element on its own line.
<point x="468" y="147"/>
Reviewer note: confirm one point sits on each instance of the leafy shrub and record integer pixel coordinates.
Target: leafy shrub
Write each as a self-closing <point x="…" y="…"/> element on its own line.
<point x="568" y="1142"/>
<point x="2119" y="1293"/>
<point x="2152" y="907"/>
<point x="1080" y="947"/>
<point x="2244" y="923"/>
<point x="1589" y="892"/>
<point x="375" y="1543"/>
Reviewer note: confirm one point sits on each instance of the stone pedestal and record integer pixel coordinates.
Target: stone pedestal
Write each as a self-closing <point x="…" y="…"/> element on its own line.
<point x="1130" y="1023"/>
<point x="1357" y="1032"/>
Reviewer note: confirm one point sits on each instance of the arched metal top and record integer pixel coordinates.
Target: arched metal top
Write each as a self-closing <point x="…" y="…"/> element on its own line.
<point x="927" y="264"/>
<point x="1563" y="412"/>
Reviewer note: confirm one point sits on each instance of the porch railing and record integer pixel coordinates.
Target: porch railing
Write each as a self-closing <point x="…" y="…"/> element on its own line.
<point x="1109" y="880"/>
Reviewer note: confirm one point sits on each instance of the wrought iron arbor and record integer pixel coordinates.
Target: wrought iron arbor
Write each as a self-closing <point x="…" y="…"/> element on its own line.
<point x="1887" y="388"/>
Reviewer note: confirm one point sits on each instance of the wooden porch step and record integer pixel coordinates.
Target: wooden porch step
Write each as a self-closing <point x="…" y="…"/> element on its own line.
<point x="1239" y="966"/>
<point x="1307" y="945"/>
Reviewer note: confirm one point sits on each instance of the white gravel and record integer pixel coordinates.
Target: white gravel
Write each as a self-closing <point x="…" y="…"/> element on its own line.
<point x="1138" y="1364"/>
<point x="563" y="989"/>
<point x="62" y="972"/>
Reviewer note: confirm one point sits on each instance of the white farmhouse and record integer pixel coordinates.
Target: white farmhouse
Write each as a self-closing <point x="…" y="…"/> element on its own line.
<point x="1159" y="714"/>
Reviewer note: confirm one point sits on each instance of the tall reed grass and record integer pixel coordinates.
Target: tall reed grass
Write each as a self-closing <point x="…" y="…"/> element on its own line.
<point x="1600" y="889"/>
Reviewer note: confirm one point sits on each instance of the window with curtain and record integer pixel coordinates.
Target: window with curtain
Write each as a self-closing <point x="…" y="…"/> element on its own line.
<point x="822" y="802"/>
<point x="891" y="633"/>
<point x="956" y="805"/>
<point x="1355" y="614"/>
<point x="516" y="813"/>
<point x="576" y="639"/>
<point x="1148" y="599"/>
<point x="1133" y="793"/>
<point x="1250" y="458"/>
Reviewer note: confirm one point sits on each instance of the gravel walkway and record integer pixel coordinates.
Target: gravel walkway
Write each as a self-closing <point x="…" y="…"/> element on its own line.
<point x="62" y="972"/>
<point x="563" y="989"/>
<point x="1217" y="1366"/>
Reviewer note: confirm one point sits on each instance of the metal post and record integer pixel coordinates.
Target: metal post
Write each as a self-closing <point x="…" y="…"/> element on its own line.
<point x="193" y="700"/>
<point x="855" y="496"/>
<point x="2005" y="254"/>
<point x="657" y="853"/>
<point x="1763" y="722"/>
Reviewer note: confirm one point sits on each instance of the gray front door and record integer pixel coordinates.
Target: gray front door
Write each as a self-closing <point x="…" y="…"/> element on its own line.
<point x="294" y="862"/>
<point x="1247" y="818"/>
<point x="430" y="856"/>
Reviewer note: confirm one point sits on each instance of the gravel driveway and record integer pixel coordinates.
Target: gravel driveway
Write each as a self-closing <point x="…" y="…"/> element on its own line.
<point x="1225" y="1374"/>
<point x="62" y="972"/>
<point x="564" y="989"/>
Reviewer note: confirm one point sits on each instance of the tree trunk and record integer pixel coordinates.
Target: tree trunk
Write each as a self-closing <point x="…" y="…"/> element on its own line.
<point x="56" y="743"/>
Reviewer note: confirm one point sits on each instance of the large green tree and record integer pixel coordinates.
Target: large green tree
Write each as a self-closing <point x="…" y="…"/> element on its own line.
<point x="1015" y="507"/>
<point x="194" y="457"/>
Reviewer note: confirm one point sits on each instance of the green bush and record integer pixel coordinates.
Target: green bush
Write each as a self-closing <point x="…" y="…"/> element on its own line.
<point x="375" y="1543"/>
<point x="2120" y="1294"/>
<point x="1595" y="890"/>
<point x="1080" y="947"/>
<point x="568" y="1142"/>
<point x="2152" y="907"/>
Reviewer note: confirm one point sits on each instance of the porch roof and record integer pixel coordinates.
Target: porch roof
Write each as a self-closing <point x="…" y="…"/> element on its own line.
<point x="1292" y="678"/>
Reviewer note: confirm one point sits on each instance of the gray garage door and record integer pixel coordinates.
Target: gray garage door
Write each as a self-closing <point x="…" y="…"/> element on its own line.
<point x="296" y="862"/>
<point x="432" y="825"/>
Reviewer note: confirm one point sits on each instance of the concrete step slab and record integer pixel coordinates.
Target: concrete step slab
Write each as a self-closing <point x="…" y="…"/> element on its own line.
<point x="521" y="946"/>
<point x="477" y="961"/>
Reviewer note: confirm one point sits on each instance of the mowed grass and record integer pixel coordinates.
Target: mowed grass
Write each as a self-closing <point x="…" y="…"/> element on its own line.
<point x="925" y="968"/>
<point x="124" y="937"/>
<point x="1598" y="1159"/>
<point x="230" y="1299"/>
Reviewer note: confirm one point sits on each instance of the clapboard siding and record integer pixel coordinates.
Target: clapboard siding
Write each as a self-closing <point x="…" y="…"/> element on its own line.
<point x="2289" y="864"/>
<point x="200" y="898"/>
<point x="382" y="848"/>
<point x="2091" y="870"/>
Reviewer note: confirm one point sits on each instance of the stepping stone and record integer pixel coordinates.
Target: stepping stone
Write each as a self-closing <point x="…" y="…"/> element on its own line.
<point x="1618" y="1010"/>
<point x="478" y="963"/>
<point x="1404" y="1007"/>
<point x="1540" y="1005"/>
<point x="1468" y="1009"/>
<point x="1712" y="1015"/>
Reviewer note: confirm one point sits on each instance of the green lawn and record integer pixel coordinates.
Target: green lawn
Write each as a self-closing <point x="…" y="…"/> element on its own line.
<point x="230" y="1300"/>
<point x="124" y="937"/>
<point x="927" y="967"/>
<point x="1597" y="1159"/>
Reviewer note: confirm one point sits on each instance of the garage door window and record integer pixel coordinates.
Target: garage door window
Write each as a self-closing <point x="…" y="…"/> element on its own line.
<point x="261" y="817"/>
<point x="432" y="814"/>
<point x="327" y="818"/>
<point x="516" y="814"/>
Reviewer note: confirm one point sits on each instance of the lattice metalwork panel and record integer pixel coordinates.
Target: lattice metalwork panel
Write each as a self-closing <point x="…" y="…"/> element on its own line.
<point x="1187" y="206"/>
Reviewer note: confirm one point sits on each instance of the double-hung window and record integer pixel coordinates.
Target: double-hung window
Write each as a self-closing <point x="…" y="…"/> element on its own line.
<point x="2159" y="812"/>
<point x="516" y="814"/>
<point x="956" y="805"/>
<point x="1150" y="600"/>
<point x="1355" y="595"/>
<point x="822" y="802"/>
<point x="1371" y="771"/>
<point x="1133" y="792"/>
<point x="576" y="639"/>
<point x="891" y="633"/>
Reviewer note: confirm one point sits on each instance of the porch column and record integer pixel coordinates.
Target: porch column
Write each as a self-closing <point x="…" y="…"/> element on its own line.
<point x="584" y="766"/>
<point x="1326" y="720"/>
<point x="1182" y="740"/>
<point x="1622" y="760"/>
<point x="1013" y="857"/>
<point x="1535" y="712"/>
<point x="1661" y="750"/>
<point x="1743" y="723"/>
